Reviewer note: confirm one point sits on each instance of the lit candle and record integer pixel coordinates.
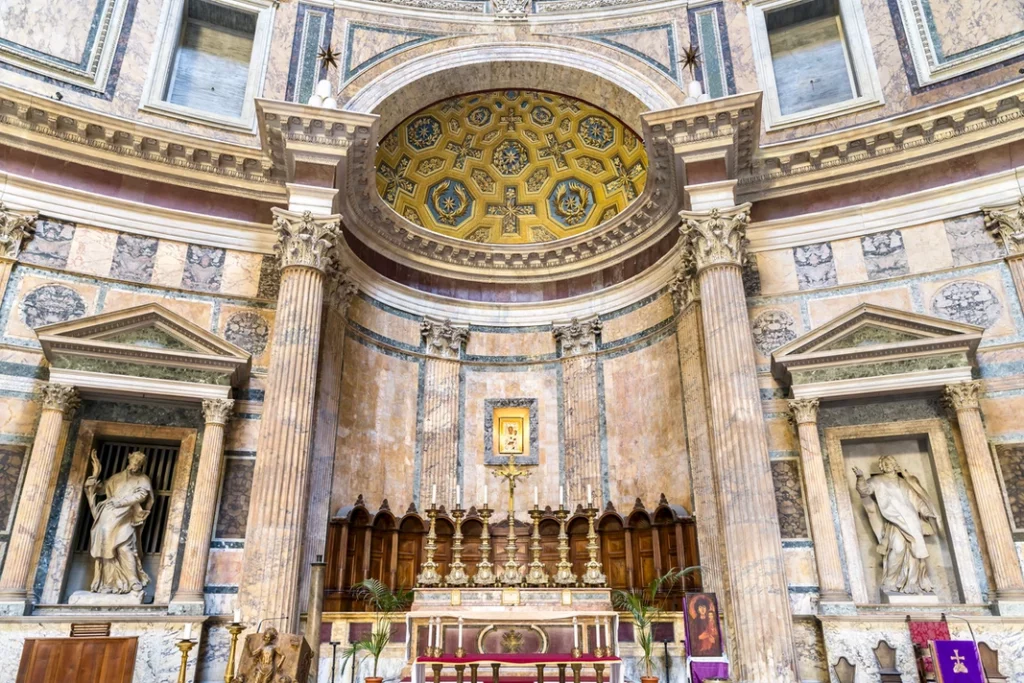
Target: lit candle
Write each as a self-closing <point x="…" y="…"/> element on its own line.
<point x="485" y="495"/>
<point x="188" y="632"/>
<point x="460" y="632"/>
<point x="458" y="495"/>
<point x="238" y="616"/>
<point x="597" y="633"/>
<point x="590" y="496"/>
<point x="536" y="498"/>
<point x="440" y="642"/>
<point x="430" y="633"/>
<point x="561" y="496"/>
<point x="433" y="494"/>
<point x="607" y="632"/>
<point x="575" y="633"/>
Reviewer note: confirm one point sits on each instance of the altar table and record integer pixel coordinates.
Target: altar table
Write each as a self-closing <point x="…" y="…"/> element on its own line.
<point x="541" y="661"/>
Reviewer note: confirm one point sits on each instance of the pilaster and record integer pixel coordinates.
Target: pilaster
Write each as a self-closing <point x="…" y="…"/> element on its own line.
<point x="443" y="343"/>
<point x="15" y="228"/>
<point x="577" y="344"/>
<point x="1007" y="225"/>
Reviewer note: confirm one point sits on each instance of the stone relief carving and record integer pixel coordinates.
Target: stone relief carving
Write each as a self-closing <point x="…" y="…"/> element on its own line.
<point x="14" y="229"/>
<point x="272" y="657"/>
<point x="577" y="337"/>
<point x="815" y="266"/>
<point x="204" y="268"/>
<point x="305" y="240"/>
<point x="249" y="331"/>
<point x="511" y="8"/>
<point x="51" y="243"/>
<point x="967" y="301"/>
<point x="134" y="257"/>
<point x="339" y="290"/>
<point x="117" y="524"/>
<point x="51" y="304"/>
<point x="772" y="329"/>
<point x="1008" y="225"/>
<point x="684" y="288"/>
<point x="968" y="241"/>
<point x="885" y="255"/>
<point x="716" y="237"/>
<point x="900" y="515"/>
<point x="443" y="339"/>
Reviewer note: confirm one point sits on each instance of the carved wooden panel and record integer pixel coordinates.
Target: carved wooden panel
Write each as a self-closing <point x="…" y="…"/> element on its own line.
<point x="77" y="660"/>
<point x="644" y="570"/>
<point x="613" y="553"/>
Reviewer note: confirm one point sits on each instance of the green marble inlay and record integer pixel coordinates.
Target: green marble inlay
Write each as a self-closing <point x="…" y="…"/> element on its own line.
<point x="896" y="367"/>
<point x="870" y="335"/>
<point x="150" y="338"/>
<point x="141" y="370"/>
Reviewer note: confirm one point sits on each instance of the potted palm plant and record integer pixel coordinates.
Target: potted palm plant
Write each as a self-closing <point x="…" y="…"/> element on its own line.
<point x="642" y="605"/>
<point x="386" y="604"/>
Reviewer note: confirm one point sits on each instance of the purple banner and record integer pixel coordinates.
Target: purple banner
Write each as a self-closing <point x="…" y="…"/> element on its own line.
<point x="703" y="671"/>
<point x="957" y="661"/>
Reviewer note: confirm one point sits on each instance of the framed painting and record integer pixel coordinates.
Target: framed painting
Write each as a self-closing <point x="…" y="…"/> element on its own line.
<point x="510" y="428"/>
<point x="703" y="629"/>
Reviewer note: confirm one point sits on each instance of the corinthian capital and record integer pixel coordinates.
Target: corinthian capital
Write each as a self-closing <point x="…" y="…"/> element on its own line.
<point x="1007" y="223"/>
<point x="14" y="228"/>
<point x="684" y="287"/>
<point x="963" y="396"/>
<point x="304" y="239"/>
<point x="339" y="290"/>
<point x="218" y="410"/>
<point x="59" y="397"/>
<point x="804" y="410"/>
<point x="716" y="237"/>
<point x="578" y="336"/>
<point x="443" y="339"/>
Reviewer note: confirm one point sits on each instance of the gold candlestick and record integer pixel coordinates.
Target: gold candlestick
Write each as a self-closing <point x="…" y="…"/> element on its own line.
<point x="536" y="576"/>
<point x="512" y="573"/>
<point x="184" y="646"/>
<point x="484" y="569"/>
<point x="593" y="576"/>
<point x="457" y="576"/>
<point x="234" y="628"/>
<point x="563" y="573"/>
<point x="429" y="576"/>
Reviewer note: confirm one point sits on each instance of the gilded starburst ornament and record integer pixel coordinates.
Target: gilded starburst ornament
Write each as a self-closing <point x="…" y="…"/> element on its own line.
<point x="691" y="59"/>
<point x="328" y="57"/>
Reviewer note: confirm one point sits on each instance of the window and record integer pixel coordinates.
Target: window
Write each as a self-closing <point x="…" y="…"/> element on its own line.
<point x="210" y="62"/>
<point x="813" y="59"/>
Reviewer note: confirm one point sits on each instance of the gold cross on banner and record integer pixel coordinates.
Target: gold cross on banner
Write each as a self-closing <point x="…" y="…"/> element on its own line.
<point x="958" y="663"/>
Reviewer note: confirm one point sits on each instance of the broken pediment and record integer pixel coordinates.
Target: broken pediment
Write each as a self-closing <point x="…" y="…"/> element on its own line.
<point x="145" y="349"/>
<point x="873" y="350"/>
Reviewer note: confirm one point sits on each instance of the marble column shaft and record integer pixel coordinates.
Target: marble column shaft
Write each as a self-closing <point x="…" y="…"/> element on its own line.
<point x="763" y="648"/>
<point x="57" y="399"/>
<point x="831" y="585"/>
<point x="217" y="412"/>
<point x="987" y="493"/>
<point x="278" y="503"/>
<point x="581" y="410"/>
<point x="439" y="446"/>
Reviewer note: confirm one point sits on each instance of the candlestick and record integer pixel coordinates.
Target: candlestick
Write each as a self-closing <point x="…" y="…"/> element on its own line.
<point x="460" y="652"/>
<point x="429" y="576"/>
<point x="184" y="646"/>
<point x="458" y="495"/>
<point x="536" y="576"/>
<point x="597" y="636"/>
<point x="440" y="639"/>
<point x="535" y="497"/>
<point x="575" y="632"/>
<point x="561" y="496"/>
<point x="430" y="637"/>
<point x="590" y="496"/>
<point x="607" y="636"/>
<point x="234" y="629"/>
<point x="457" y="574"/>
<point x="484" y="569"/>
<point x="433" y="495"/>
<point x="563" y="570"/>
<point x="593" y="576"/>
<point x="188" y="632"/>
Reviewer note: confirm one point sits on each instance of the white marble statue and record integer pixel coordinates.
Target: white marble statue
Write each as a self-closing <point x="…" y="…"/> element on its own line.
<point x="117" y="526"/>
<point x="901" y="516"/>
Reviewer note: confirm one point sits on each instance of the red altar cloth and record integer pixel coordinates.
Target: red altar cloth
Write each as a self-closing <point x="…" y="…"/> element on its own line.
<point x="539" y="658"/>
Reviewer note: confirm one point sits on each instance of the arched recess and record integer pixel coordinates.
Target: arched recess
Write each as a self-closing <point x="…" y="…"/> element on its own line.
<point x="410" y="550"/>
<point x="624" y="86"/>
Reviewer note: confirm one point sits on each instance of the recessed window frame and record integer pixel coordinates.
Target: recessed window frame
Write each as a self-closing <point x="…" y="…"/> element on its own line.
<point x="172" y="23"/>
<point x="860" y="59"/>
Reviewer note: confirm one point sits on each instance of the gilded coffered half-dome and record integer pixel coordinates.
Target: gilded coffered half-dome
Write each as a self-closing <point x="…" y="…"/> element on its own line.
<point x="510" y="167"/>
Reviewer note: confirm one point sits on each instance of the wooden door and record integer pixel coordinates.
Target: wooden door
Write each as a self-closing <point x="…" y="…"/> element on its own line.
<point x="77" y="660"/>
<point x="613" y="553"/>
<point x="578" y="546"/>
<point x="410" y="543"/>
<point x="644" y="570"/>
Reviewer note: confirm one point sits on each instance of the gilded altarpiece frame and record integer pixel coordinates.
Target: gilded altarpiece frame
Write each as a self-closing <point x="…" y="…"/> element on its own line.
<point x="90" y="432"/>
<point x="523" y="413"/>
<point x="955" y="524"/>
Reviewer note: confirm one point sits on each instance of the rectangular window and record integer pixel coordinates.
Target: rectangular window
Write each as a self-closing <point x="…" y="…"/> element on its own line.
<point x="813" y="59"/>
<point x="210" y="61"/>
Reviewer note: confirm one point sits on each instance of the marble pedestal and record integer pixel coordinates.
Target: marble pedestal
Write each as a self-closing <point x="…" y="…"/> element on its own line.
<point x="909" y="599"/>
<point x="105" y="599"/>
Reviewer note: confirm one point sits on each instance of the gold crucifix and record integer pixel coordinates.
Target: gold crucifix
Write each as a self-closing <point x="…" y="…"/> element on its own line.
<point x="512" y="574"/>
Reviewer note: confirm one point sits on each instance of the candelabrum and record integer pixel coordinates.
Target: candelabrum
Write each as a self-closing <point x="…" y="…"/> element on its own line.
<point x="235" y="629"/>
<point x="536" y="576"/>
<point x="512" y="573"/>
<point x="457" y="576"/>
<point x="184" y="646"/>
<point x="429" y="576"/>
<point x="484" y="569"/>
<point x="593" y="576"/>
<point x="563" y="573"/>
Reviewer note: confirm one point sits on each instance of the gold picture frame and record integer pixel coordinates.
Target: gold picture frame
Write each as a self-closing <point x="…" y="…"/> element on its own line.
<point x="511" y="432"/>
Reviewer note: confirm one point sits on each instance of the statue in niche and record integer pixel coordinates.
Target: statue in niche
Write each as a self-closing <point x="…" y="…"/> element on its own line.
<point x="117" y="525"/>
<point x="901" y="516"/>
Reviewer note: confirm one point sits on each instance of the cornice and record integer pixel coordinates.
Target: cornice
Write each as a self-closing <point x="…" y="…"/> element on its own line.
<point x="99" y="140"/>
<point x="925" y="136"/>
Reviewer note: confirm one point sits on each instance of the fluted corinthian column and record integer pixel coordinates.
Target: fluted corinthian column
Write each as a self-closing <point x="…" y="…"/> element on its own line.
<point x="277" y="507"/>
<point x="338" y="294"/>
<point x="1007" y="224"/>
<point x="577" y="343"/>
<point x="686" y="295"/>
<point x="188" y="599"/>
<point x="15" y="228"/>
<point x="713" y="244"/>
<point x="831" y="585"/>
<point x="963" y="398"/>
<point x="440" y="436"/>
<point x="57" y="399"/>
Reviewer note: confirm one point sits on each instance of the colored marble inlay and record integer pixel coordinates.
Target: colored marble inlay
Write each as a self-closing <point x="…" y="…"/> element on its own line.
<point x="510" y="166"/>
<point x="134" y="256"/>
<point x="789" y="498"/>
<point x="815" y="266"/>
<point x="50" y="245"/>
<point x="11" y="460"/>
<point x="234" y="497"/>
<point x="1011" y="466"/>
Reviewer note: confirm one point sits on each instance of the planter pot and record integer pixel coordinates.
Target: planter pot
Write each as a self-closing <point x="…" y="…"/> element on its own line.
<point x="648" y="679"/>
<point x="374" y="679"/>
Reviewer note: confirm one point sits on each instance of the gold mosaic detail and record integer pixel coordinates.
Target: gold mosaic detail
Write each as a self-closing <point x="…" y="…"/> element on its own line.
<point x="510" y="167"/>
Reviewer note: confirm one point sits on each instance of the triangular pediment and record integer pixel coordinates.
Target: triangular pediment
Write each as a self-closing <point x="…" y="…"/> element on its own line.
<point x="147" y="341"/>
<point x="872" y="341"/>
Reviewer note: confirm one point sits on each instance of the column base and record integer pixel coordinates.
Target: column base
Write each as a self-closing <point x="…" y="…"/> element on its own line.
<point x="188" y="604"/>
<point x="833" y="605"/>
<point x="14" y="605"/>
<point x="1009" y="603"/>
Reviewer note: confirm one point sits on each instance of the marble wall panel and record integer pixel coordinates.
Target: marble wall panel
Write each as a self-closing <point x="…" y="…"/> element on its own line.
<point x="242" y="434"/>
<point x="800" y="567"/>
<point x="885" y="254"/>
<point x="638" y="320"/>
<point x="249" y="329"/>
<point x="815" y="266"/>
<point x="386" y="324"/>
<point x="778" y="271"/>
<point x="241" y="273"/>
<point x="782" y="437"/>
<point x="978" y="299"/>
<point x="535" y="381"/>
<point x="42" y="301"/>
<point x="496" y="344"/>
<point x="964" y="25"/>
<point x="969" y="242"/>
<point x="826" y="309"/>
<point x="51" y="243"/>
<point x="92" y="251"/>
<point x="850" y="261"/>
<point x="169" y="264"/>
<point x="199" y="312"/>
<point x="134" y="257"/>
<point x="12" y="461"/>
<point x="204" y="268"/>
<point x="809" y="643"/>
<point x="1003" y="416"/>
<point x="270" y="277"/>
<point x="376" y="428"/>
<point x="646" y="440"/>
<point x="1010" y="458"/>
<point x="789" y="498"/>
<point x="224" y="567"/>
<point x="18" y="416"/>
<point x="26" y="23"/>
<point x="927" y="247"/>
<point x="233" y="504"/>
